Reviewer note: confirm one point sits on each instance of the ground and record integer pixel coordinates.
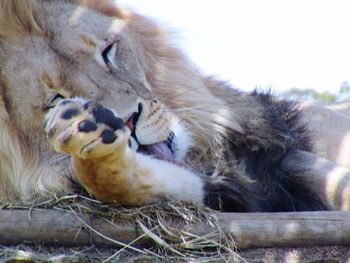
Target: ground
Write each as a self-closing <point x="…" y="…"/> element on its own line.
<point x="329" y="254"/>
<point x="167" y="239"/>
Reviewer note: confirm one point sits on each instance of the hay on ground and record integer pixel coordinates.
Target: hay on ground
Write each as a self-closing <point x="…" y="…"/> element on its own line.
<point x="168" y="225"/>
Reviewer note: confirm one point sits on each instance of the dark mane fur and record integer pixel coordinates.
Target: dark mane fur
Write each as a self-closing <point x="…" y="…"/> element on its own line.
<point x="259" y="155"/>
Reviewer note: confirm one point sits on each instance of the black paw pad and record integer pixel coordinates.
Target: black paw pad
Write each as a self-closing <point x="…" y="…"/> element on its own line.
<point x="115" y="123"/>
<point x="87" y="126"/>
<point x="108" y="136"/>
<point x="70" y="113"/>
<point x="106" y="116"/>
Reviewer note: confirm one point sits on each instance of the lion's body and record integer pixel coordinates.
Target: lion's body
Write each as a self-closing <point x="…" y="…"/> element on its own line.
<point x="238" y="151"/>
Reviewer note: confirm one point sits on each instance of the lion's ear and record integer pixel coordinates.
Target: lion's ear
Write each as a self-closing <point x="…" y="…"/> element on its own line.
<point x="17" y="17"/>
<point x="106" y="7"/>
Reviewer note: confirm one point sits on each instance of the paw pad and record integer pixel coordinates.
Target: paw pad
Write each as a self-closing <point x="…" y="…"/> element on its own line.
<point x="106" y="116"/>
<point x="108" y="136"/>
<point x="85" y="129"/>
<point x="87" y="126"/>
<point x="70" y="113"/>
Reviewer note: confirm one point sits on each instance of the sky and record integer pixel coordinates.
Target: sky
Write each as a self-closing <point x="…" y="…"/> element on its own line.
<point x="277" y="44"/>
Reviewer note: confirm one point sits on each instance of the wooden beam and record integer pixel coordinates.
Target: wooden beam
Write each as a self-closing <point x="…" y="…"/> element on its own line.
<point x="287" y="229"/>
<point x="60" y="228"/>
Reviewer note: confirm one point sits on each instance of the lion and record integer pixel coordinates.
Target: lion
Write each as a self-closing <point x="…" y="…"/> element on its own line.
<point x="95" y="93"/>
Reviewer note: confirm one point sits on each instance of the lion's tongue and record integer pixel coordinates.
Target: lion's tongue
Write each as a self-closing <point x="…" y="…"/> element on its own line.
<point x="160" y="150"/>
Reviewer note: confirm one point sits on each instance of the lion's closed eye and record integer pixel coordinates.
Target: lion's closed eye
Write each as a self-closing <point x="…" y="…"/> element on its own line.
<point x="108" y="54"/>
<point x="107" y="57"/>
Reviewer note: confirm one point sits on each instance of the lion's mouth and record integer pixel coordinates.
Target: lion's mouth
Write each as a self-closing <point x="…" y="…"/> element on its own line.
<point x="162" y="150"/>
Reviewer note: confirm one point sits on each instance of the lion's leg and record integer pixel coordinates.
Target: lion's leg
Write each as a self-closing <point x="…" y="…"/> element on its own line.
<point x="331" y="181"/>
<point x="104" y="163"/>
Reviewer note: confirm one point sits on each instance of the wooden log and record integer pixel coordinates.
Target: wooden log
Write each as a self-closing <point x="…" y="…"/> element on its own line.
<point x="59" y="228"/>
<point x="287" y="229"/>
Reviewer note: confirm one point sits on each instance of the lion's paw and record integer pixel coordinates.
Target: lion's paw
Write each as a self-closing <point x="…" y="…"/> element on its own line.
<point x="85" y="129"/>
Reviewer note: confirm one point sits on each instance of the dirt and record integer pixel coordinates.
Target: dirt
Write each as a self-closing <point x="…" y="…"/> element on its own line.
<point x="329" y="254"/>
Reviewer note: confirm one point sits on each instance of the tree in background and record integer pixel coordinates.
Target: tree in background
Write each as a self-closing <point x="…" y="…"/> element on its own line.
<point x="323" y="97"/>
<point x="309" y="94"/>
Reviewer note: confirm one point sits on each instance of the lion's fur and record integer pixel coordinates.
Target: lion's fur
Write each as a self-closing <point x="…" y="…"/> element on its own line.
<point x="40" y="53"/>
<point x="21" y="20"/>
<point x="20" y="15"/>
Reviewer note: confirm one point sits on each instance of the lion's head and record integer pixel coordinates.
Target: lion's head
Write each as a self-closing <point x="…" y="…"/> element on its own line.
<point x="94" y="49"/>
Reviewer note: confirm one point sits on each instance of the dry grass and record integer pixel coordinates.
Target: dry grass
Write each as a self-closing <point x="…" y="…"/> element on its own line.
<point x="169" y="225"/>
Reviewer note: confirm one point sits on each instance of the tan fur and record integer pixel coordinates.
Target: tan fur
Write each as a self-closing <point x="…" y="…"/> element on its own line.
<point x="20" y="15"/>
<point x="107" y="7"/>
<point x="111" y="183"/>
<point x="53" y="47"/>
<point x="334" y="143"/>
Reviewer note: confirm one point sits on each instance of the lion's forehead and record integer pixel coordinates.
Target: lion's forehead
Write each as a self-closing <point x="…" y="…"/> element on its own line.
<point x="76" y="28"/>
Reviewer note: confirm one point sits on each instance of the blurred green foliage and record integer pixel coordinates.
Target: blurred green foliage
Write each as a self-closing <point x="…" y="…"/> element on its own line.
<point x="323" y="96"/>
